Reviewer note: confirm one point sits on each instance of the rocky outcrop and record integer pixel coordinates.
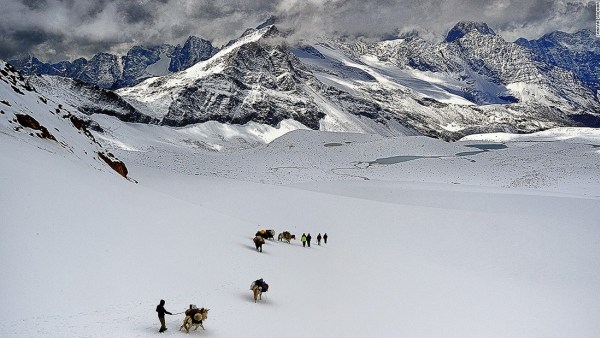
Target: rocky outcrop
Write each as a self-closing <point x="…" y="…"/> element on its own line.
<point x="194" y="50"/>
<point x="29" y="122"/>
<point x="115" y="164"/>
<point x="141" y="63"/>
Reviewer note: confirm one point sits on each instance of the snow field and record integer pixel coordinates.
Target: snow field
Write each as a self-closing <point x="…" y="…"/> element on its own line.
<point x="403" y="259"/>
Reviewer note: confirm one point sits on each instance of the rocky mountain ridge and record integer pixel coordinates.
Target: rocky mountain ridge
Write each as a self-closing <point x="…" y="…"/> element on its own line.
<point x="477" y="82"/>
<point x="472" y="82"/>
<point x="110" y="71"/>
<point x="578" y="52"/>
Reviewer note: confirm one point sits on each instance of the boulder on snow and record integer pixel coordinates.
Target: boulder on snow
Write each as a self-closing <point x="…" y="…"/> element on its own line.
<point x="29" y="122"/>
<point x="115" y="164"/>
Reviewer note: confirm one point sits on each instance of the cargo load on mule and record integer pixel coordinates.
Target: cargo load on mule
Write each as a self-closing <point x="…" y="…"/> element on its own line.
<point x="266" y="234"/>
<point x="286" y="236"/>
<point x="258" y="287"/>
<point x="258" y="242"/>
<point x="193" y="318"/>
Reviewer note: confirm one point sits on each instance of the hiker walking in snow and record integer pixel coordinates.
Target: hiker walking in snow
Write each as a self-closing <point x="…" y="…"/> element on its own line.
<point x="303" y="239"/>
<point x="325" y="238"/>
<point x="319" y="239"/>
<point x="308" y="238"/>
<point x="161" y="315"/>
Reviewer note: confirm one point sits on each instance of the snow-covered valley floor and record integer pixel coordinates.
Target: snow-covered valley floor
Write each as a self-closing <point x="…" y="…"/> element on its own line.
<point x="502" y="243"/>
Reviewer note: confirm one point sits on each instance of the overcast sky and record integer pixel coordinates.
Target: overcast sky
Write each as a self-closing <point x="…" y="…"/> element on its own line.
<point x="56" y="30"/>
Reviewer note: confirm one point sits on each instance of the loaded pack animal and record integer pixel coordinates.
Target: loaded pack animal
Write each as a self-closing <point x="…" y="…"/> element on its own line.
<point x="258" y="242"/>
<point x="194" y="318"/>
<point x="286" y="236"/>
<point x="258" y="287"/>
<point x="266" y="234"/>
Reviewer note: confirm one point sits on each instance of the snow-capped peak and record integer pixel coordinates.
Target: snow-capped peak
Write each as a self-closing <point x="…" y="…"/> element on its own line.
<point x="248" y="37"/>
<point x="210" y="66"/>
<point x="159" y="93"/>
<point x="462" y="28"/>
<point x="272" y="20"/>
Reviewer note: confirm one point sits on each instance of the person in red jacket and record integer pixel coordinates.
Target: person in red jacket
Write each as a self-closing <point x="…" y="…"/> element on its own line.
<point x="161" y="315"/>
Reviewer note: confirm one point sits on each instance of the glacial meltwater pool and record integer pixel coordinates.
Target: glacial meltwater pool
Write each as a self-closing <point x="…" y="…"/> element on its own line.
<point x="483" y="147"/>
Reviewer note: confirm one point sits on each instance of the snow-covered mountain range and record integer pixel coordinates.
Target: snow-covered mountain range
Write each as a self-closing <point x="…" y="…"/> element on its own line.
<point x="111" y="71"/>
<point x="472" y="82"/>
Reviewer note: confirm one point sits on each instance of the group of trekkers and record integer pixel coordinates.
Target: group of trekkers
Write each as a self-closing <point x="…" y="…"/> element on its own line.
<point x="305" y="239"/>
<point x="259" y="286"/>
<point x="262" y="235"/>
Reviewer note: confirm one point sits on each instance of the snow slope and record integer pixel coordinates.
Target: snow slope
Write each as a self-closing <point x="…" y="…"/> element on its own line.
<point x="405" y="258"/>
<point x="351" y="75"/>
<point x="49" y="122"/>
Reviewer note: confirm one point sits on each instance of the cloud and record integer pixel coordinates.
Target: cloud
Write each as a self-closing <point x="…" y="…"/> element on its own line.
<point x="66" y="29"/>
<point x="510" y="18"/>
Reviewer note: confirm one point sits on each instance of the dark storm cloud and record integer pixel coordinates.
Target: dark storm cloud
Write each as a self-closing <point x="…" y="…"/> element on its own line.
<point x="23" y="40"/>
<point x="59" y="29"/>
<point x="135" y="12"/>
<point x="511" y="18"/>
<point x="34" y="4"/>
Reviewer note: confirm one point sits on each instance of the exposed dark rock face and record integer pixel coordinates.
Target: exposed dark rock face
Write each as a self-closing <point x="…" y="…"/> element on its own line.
<point x="91" y="99"/>
<point x="194" y="50"/>
<point x="103" y="70"/>
<point x="241" y="92"/>
<point x="115" y="164"/>
<point x="141" y="63"/>
<point x="578" y="52"/>
<point x="108" y="71"/>
<point x="464" y="27"/>
<point x="29" y="122"/>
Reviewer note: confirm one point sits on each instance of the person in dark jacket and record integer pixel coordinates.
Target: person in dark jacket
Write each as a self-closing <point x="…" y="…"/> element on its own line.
<point x="308" y="238"/>
<point x="325" y="238"/>
<point x="161" y="315"/>
<point x="319" y="239"/>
